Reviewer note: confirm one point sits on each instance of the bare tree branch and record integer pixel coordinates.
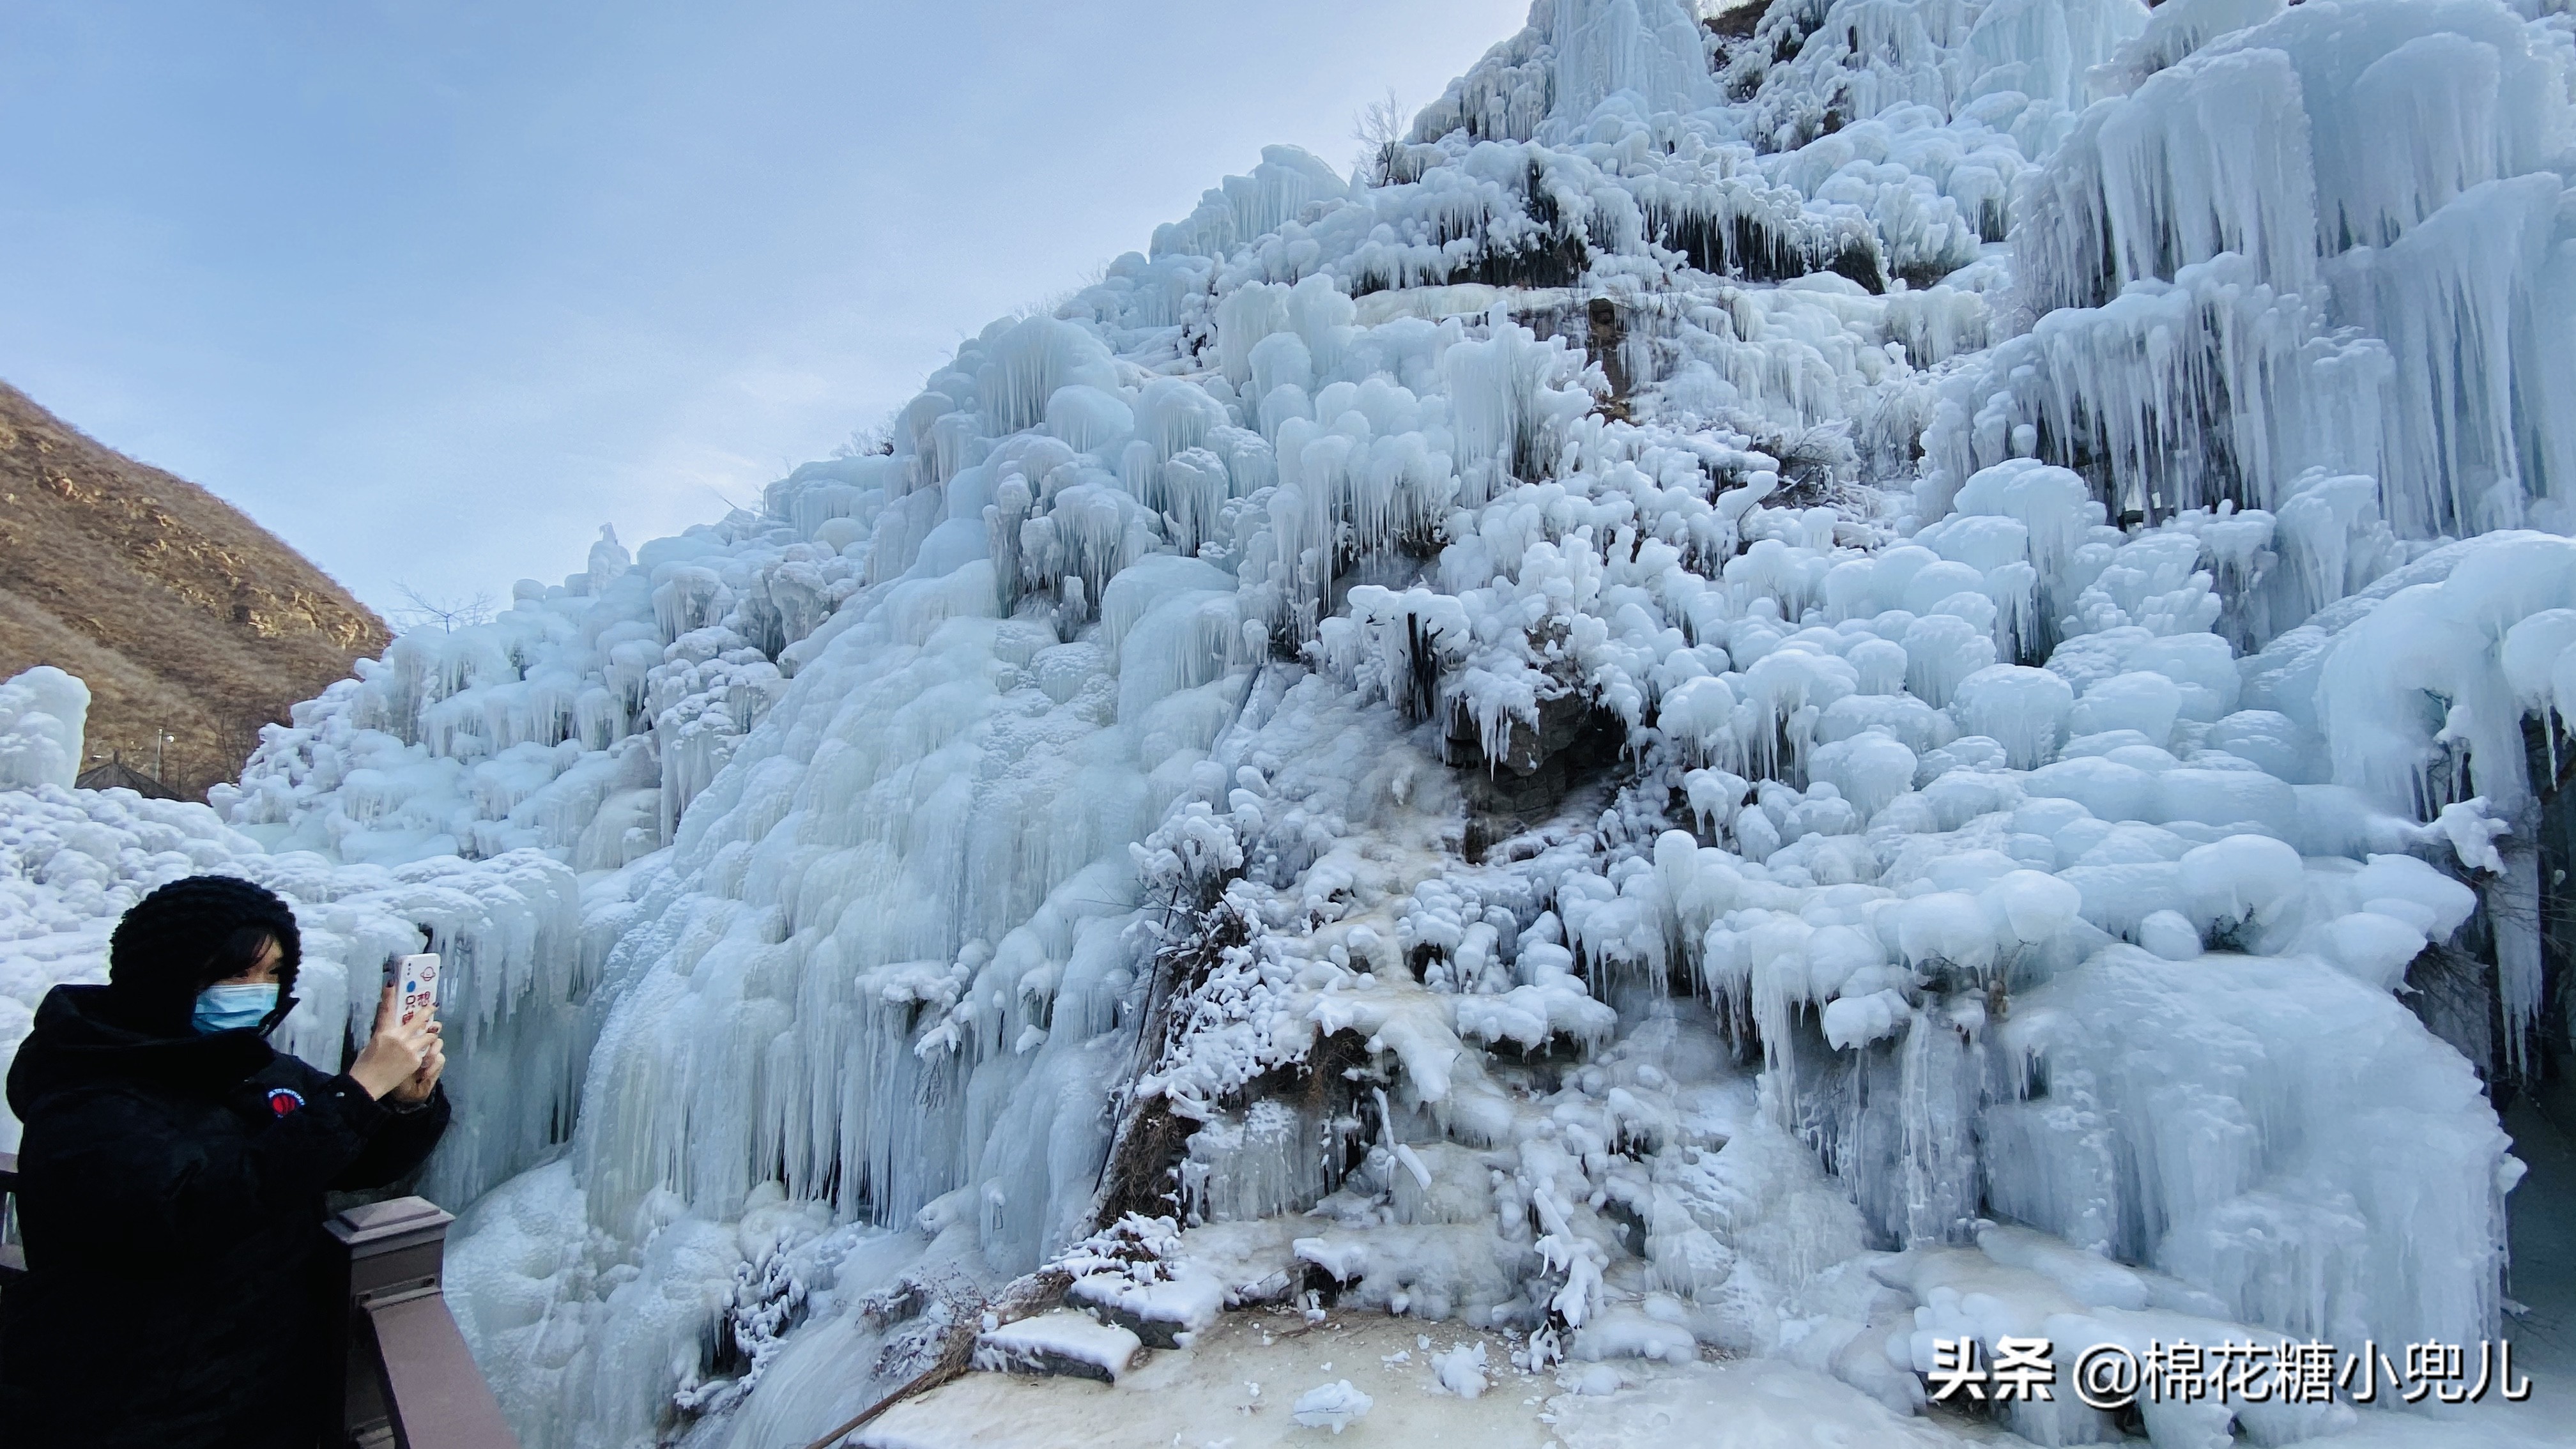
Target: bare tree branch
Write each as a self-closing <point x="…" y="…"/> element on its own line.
<point x="1379" y="128"/>
<point x="441" y="612"/>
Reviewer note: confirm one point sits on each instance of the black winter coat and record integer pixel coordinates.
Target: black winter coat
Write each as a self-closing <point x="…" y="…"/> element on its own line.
<point x="170" y="1200"/>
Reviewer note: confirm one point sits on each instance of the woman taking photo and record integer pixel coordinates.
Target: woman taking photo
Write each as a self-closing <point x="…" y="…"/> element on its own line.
<point x="171" y="1179"/>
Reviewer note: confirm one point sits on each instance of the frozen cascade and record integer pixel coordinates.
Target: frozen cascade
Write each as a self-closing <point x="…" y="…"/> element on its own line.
<point x="2251" y="1178"/>
<point x="1646" y="48"/>
<point x="2438" y="254"/>
<point x="1799" y="688"/>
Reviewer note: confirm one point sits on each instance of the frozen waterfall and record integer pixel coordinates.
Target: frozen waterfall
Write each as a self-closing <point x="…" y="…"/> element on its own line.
<point x="1851" y="672"/>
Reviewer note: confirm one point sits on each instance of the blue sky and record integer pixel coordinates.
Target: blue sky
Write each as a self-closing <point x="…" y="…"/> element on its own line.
<point x="432" y="288"/>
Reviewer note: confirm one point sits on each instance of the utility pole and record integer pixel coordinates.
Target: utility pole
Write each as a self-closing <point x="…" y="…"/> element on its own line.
<point x="160" y="737"/>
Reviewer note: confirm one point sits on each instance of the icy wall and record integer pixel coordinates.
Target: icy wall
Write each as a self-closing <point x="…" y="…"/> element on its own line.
<point x="1811" y="685"/>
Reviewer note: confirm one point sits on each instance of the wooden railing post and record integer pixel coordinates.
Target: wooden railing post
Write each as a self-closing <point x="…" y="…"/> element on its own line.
<point x="405" y="1378"/>
<point x="13" y="1258"/>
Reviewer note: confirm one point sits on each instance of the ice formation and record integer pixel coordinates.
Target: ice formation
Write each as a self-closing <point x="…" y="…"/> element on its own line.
<point x="42" y="715"/>
<point x="1335" y="1406"/>
<point x="1818" y="681"/>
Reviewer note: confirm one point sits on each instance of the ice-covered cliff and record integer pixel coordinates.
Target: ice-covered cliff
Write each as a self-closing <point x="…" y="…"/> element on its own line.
<point x="1828" y="676"/>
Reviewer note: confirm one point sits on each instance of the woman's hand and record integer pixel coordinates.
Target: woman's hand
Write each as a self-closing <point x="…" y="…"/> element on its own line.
<point x="417" y="1087"/>
<point x="400" y="1060"/>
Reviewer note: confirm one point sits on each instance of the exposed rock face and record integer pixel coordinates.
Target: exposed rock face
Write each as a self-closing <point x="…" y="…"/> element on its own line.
<point x="180" y="613"/>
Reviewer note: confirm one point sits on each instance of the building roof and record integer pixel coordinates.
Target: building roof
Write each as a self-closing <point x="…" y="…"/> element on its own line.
<point x="118" y="775"/>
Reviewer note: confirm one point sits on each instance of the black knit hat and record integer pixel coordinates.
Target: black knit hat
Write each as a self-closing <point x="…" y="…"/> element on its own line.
<point x="166" y="950"/>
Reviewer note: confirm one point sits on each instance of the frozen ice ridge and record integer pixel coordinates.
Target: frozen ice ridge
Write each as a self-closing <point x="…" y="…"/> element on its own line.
<point x="1823" y="679"/>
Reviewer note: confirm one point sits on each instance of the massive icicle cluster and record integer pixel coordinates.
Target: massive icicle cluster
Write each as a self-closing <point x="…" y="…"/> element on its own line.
<point x="1814" y="681"/>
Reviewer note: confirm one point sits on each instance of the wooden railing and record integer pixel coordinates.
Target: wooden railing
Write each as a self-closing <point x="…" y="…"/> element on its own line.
<point x="13" y="1258"/>
<point x="409" y="1380"/>
<point x="404" y="1377"/>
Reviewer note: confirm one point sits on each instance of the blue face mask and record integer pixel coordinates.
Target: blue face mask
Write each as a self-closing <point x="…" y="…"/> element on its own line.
<point x="232" y="1007"/>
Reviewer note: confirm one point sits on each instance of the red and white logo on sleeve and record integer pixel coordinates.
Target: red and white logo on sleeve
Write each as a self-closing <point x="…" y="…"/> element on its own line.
<point x="282" y="1100"/>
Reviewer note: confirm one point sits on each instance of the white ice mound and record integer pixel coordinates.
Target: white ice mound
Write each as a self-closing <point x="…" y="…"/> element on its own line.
<point x="42" y="714"/>
<point x="1062" y="1341"/>
<point x="1461" y="1370"/>
<point x="1335" y="1406"/>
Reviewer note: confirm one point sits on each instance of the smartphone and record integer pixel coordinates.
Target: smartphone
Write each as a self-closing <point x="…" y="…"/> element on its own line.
<point x="416" y="987"/>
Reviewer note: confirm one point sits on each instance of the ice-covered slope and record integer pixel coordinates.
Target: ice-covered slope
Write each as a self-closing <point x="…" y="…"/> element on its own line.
<point x="1802" y="688"/>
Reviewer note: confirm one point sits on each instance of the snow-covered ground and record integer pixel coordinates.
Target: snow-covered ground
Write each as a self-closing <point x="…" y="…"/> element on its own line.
<point x="1237" y="1391"/>
<point x="1240" y="1387"/>
<point x="1849" y="676"/>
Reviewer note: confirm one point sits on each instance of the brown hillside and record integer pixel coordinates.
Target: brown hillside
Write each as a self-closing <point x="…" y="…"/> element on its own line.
<point x="180" y="613"/>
